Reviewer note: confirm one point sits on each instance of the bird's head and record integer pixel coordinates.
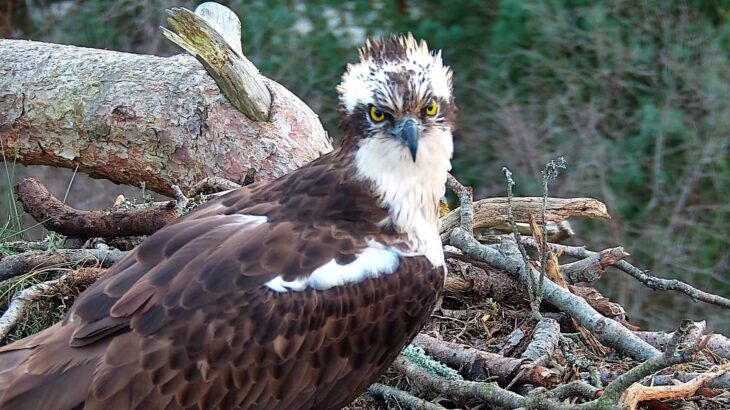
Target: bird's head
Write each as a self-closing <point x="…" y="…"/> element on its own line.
<point x="397" y="114"/>
<point x="398" y="96"/>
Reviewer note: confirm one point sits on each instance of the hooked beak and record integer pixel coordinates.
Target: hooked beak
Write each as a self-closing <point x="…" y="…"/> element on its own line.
<point x="408" y="131"/>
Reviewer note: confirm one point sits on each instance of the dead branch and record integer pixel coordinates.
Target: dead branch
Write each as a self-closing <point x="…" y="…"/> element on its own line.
<point x="650" y="281"/>
<point x="400" y="399"/>
<point x="492" y="212"/>
<point x="638" y="392"/>
<point x="22" y="300"/>
<point x="591" y="269"/>
<point x="475" y="364"/>
<point x="608" y="331"/>
<point x="59" y="217"/>
<point x="478" y="278"/>
<point x="576" y="388"/>
<point x="463" y="390"/>
<point x="213" y="35"/>
<point x="672" y="356"/>
<point x="20" y="264"/>
<point x="607" y="376"/>
<point x="603" y="305"/>
<point x="544" y="341"/>
<point x="717" y="344"/>
<point x="212" y="185"/>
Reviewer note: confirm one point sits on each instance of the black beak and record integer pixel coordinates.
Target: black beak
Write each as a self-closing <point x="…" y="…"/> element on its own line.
<point x="407" y="130"/>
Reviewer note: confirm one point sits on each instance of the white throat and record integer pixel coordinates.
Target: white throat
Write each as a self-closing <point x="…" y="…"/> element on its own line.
<point x="411" y="191"/>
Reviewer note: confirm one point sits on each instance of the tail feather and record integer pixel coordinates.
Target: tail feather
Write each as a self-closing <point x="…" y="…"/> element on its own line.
<point x="29" y="380"/>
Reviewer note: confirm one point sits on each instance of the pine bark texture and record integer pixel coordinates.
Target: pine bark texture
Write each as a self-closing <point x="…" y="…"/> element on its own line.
<point x="140" y="118"/>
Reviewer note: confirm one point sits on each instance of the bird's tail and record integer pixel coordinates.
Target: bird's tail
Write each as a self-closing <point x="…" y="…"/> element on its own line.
<point x="33" y="377"/>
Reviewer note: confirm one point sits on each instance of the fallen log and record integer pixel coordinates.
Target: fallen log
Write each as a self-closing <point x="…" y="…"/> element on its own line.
<point x="137" y="118"/>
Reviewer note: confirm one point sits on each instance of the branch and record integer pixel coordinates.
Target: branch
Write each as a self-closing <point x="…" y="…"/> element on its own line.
<point x="672" y="356"/>
<point x="213" y="35"/>
<point x="717" y="344"/>
<point x="492" y="212"/>
<point x="591" y="269"/>
<point x="607" y="331"/>
<point x="20" y="264"/>
<point x="22" y="300"/>
<point x="59" y="217"/>
<point x="476" y="364"/>
<point x="650" y="281"/>
<point x="638" y="392"/>
<point x="392" y="396"/>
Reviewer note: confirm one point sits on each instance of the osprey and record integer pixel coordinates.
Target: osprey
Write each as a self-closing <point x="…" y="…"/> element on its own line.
<point x="292" y="294"/>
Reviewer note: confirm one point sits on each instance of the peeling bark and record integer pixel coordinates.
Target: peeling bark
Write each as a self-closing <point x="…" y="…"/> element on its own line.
<point x="139" y="118"/>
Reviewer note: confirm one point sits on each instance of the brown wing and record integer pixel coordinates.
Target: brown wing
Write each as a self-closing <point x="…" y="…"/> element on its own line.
<point x="184" y="320"/>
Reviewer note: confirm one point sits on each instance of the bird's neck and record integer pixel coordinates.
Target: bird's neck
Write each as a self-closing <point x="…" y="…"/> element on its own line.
<point x="409" y="191"/>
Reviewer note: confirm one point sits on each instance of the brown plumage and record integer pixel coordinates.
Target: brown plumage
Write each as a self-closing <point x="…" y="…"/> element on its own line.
<point x="260" y="299"/>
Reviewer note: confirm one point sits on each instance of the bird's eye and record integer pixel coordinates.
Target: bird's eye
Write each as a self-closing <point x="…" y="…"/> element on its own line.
<point x="432" y="108"/>
<point x="376" y="114"/>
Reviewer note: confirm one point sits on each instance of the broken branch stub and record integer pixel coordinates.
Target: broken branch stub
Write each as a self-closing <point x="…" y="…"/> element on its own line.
<point x="212" y="34"/>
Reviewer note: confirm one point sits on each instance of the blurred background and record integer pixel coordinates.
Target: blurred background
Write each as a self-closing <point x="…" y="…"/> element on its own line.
<point x="634" y="94"/>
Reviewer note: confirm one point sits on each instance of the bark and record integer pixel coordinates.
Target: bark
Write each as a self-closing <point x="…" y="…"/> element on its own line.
<point x="138" y="118"/>
<point x="59" y="217"/>
<point x="475" y="364"/>
<point x="16" y="265"/>
<point x="591" y="269"/>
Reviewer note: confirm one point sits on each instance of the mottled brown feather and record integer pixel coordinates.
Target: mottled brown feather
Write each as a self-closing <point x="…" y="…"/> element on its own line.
<point x="184" y="321"/>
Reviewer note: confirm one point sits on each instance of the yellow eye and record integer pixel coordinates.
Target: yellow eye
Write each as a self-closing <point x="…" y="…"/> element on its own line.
<point x="432" y="108"/>
<point x="376" y="114"/>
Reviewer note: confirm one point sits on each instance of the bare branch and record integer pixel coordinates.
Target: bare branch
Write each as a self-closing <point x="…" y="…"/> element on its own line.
<point x="650" y="281"/>
<point x="198" y="33"/>
<point x="59" y="217"/>
<point x="20" y="264"/>
<point x="22" y="300"/>
<point x="492" y="212"/>
<point x="401" y="399"/>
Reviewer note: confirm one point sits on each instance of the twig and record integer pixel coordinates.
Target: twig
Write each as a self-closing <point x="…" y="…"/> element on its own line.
<point x="650" y="281"/>
<point x="576" y="388"/>
<point x="23" y="263"/>
<point x="466" y="211"/>
<point x="59" y="217"/>
<point x="533" y="287"/>
<point x="401" y="399"/>
<point x="24" y="246"/>
<point x="180" y="200"/>
<point x="22" y="300"/>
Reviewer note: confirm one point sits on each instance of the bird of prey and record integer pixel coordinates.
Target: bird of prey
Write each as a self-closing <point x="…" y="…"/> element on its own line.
<point x="291" y="294"/>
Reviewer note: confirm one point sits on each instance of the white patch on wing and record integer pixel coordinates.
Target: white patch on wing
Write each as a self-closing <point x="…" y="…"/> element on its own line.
<point x="376" y="260"/>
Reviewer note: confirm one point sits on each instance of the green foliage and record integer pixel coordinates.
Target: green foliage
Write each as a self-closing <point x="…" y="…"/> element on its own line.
<point x="632" y="93"/>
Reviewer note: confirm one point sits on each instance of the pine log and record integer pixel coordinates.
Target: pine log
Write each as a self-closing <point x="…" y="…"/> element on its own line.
<point x="139" y="118"/>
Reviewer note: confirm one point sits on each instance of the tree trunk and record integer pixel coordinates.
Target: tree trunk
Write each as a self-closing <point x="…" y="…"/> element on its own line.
<point x="139" y="118"/>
